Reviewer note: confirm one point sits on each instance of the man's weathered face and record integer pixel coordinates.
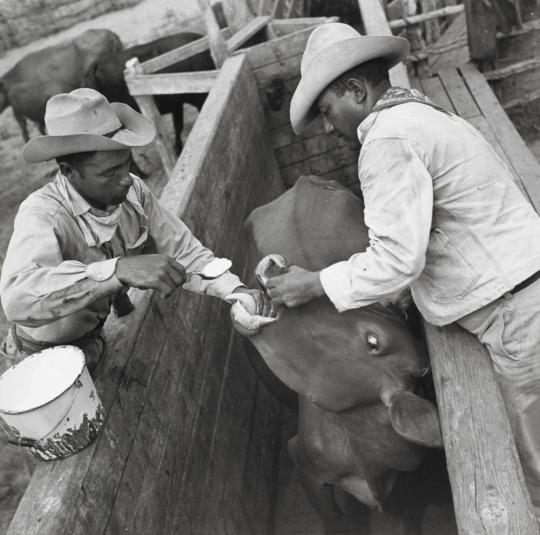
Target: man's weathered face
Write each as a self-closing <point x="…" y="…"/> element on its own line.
<point x="342" y="113"/>
<point x="103" y="179"/>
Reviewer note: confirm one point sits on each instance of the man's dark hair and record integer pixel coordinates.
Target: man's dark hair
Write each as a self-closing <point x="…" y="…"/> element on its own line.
<point x="76" y="159"/>
<point x="374" y="71"/>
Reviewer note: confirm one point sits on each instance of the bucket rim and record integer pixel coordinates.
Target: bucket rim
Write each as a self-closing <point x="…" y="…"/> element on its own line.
<point x="79" y="352"/>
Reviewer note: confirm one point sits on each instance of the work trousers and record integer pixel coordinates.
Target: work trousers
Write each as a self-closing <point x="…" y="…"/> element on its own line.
<point x="15" y="348"/>
<point x="510" y="329"/>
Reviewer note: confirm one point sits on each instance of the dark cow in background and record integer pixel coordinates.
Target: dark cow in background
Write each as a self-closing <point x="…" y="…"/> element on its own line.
<point x="106" y="74"/>
<point x="61" y="68"/>
<point x="361" y="420"/>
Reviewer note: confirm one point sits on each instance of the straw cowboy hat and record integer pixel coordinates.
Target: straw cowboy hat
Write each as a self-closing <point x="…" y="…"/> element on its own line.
<point x="332" y="49"/>
<point x="84" y="121"/>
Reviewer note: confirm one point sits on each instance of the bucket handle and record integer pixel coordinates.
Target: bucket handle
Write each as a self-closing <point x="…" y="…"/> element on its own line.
<point x="32" y="442"/>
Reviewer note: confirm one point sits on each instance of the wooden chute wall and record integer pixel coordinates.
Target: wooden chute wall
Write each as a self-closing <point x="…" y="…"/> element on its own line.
<point x="189" y="444"/>
<point x="276" y="66"/>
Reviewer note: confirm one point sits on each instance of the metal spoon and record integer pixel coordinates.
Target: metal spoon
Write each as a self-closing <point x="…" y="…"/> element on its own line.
<point x="214" y="269"/>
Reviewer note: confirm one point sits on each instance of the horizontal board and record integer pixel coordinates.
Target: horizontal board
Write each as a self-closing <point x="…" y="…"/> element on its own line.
<point x="178" y="54"/>
<point x="171" y="83"/>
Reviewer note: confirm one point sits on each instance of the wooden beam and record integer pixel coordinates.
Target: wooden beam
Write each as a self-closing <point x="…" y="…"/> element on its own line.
<point x="247" y="32"/>
<point x="488" y="486"/>
<point x="181" y="53"/>
<point x="237" y="13"/>
<point x="171" y="83"/>
<point x="375" y="23"/>
<point x="423" y="17"/>
<point x="482" y="30"/>
<point x="218" y="45"/>
<point x="149" y="109"/>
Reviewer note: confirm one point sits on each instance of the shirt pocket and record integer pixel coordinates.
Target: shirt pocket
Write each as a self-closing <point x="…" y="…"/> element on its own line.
<point x="447" y="274"/>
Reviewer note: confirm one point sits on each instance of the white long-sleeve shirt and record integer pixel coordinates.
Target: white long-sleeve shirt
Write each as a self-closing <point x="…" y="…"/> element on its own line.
<point x="398" y="197"/>
<point x="57" y="288"/>
<point x="445" y="217"/>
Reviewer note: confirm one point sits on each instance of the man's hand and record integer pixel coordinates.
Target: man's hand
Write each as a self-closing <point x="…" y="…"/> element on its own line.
<point x="264" y="306"/>
<point x="157" y="271"/>
<point x="294" y="288"/>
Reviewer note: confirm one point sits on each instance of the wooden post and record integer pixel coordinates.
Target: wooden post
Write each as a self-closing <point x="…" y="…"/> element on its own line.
<point x="481" y="31"/>
<point x="237" y="13"/>
<point x="149" y="109"/>
<point x="218" y="45"/>
<point x="375" y="23"/>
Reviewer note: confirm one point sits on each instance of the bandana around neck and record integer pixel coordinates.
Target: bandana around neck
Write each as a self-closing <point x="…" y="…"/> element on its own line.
<point x="400" y="95"/>
<point x="99" y="226"/>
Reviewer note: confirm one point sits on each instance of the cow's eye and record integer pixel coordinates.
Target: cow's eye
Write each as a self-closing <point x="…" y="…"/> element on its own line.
<point x="372" y="342"/>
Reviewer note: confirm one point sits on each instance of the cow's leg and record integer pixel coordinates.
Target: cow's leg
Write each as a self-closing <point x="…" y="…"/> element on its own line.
<point x="21" y="119"/>
<point x="178" y="122"/>
<point x="41" y="128"/>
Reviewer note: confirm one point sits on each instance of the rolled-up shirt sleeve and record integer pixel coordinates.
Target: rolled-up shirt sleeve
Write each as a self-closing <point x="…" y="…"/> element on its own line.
<point x="398" y="196"/>
<point x="172" y="236"/>
<point x="38" y="286"/>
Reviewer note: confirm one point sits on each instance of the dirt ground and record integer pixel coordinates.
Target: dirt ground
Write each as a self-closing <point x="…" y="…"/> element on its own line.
<point x="148" y="20"/>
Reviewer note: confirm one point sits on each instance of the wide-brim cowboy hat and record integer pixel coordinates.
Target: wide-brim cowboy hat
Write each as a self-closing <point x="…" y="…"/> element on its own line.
<point x="84" y="121"/>
<point x="332" y="49"/>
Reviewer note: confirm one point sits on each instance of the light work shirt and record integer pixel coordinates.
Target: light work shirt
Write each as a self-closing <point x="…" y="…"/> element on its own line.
<point x="445" y="217"/>
<point x="56" y="288"/>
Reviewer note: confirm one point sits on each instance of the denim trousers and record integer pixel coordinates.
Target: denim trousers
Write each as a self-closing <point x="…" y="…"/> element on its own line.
<point x="510" y="329"/>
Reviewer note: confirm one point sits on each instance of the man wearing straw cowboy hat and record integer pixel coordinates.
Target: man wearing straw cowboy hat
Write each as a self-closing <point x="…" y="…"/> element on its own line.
<point x="78" y="242"/>
<point x="445" y="217"/>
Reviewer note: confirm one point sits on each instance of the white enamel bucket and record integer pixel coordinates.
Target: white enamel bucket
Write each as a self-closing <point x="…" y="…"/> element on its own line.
<point x="50" y="403"/>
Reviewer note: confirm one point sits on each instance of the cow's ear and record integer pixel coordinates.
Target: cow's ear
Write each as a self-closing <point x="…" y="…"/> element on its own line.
<point x="415" y="419"/>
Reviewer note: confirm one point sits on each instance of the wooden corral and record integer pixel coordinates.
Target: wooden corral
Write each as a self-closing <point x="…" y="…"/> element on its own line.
<point x="191" y="438"/>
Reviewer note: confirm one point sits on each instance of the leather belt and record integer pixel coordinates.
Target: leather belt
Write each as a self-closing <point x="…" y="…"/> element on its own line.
<point x="527" y="282"/>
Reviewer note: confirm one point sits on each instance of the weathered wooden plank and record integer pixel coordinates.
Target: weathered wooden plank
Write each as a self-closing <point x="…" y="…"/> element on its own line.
<point x="519" y="45"/>
<point x="320" y="164"/>
<point x="375" y="23"/>
<point x="458" y="93"/>
<point x="149" y="109"/>
<point x="515" y="148"/>
<point x="171" y="83"/>
<point x="482" y="30"/>
<point x="283" y="70"/>
<point x="305" y="149"/>
<point x="277" y="50"/>
<point x="434" y="89"/>
<point x="412" y="20"/>
<point x="516" y="83"/>
<point x="287" y="26"/>
<point x="178" y="54"/>
<point x="247" y="32"/>
<point x="484" y="468"/>
<point x="218" y="45"/>
<point x="456" y="30"/>
<point x="347" y="175"/>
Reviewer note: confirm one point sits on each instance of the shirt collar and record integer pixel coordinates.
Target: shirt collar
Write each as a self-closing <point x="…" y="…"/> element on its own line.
<point x="79" y="205"/>
<point x="365" y="126"/>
